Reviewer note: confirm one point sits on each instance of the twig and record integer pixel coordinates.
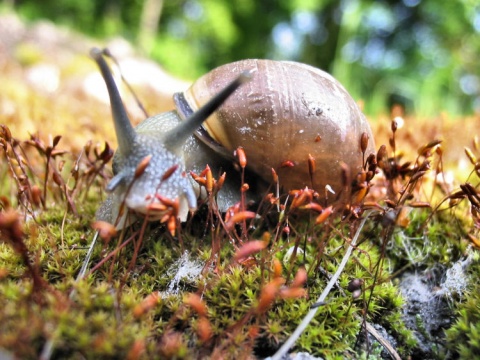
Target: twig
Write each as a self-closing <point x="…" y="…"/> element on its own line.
<point x="311" y="314"/>
<point x="86" y="261"/>
<point x="385" y="343"/>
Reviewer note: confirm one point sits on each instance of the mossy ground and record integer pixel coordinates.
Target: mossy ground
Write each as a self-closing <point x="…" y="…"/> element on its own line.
<point x="234" y="307"/>
<point x="99" y="320"/>
<point x="110" y="314"/>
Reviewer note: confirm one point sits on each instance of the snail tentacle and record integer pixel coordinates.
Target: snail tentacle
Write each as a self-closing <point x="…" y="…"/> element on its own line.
<point x="117" y="180"/>
<point x="123" y="127"/>
<point x="177" y="136"/>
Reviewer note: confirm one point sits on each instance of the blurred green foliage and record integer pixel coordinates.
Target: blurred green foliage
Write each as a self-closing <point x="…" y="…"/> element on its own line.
<point x="419" y="53"/>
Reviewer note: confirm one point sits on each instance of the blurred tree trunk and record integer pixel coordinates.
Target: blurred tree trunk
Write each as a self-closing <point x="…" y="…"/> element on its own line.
<point x="149" y="21"/>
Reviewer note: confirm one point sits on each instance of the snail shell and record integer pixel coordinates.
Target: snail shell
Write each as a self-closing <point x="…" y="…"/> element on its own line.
<point x="286" y="113"/>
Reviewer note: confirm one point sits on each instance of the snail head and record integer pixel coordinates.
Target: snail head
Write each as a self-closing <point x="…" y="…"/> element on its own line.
<point x="149" y="170"/>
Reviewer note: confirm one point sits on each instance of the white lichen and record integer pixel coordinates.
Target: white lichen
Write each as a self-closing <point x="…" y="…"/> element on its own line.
<point x="184" y="270"/>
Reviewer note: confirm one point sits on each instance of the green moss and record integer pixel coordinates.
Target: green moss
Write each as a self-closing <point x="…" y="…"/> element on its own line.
<point x="463" y="338"/>
<point x="109" y="314"/>
<point x="99" y="320"/>
<point x="429" y="241"/>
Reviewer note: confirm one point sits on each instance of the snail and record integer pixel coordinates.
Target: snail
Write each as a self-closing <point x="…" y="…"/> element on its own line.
<point x="285" y="114"/>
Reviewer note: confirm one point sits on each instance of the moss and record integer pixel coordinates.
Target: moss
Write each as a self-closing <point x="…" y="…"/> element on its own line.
<point x="463" y="338"/>
<point x="99" y="321"/>
<point x="109" y="314"/>
<point x="428" y="240"/>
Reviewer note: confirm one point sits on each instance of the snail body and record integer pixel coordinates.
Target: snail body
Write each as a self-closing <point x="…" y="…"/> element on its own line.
<point x="288" y="112"/>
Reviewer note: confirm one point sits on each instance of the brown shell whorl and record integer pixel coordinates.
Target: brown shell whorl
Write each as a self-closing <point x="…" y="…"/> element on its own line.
<point x="280" y="115"/>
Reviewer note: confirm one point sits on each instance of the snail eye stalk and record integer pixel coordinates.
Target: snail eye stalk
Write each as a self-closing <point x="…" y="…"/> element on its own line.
<point x="179" y="134"/>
